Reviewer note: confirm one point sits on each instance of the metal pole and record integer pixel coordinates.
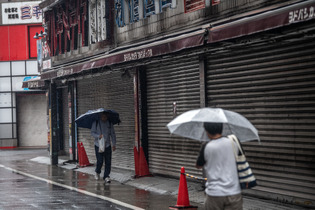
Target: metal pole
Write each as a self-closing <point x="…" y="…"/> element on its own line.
<point x="74" y="146"/>
<point x="53" y="124"/>
<point x="202" y="79"/>
<point x="75" y="117"/>
<point x="136" y="107"/>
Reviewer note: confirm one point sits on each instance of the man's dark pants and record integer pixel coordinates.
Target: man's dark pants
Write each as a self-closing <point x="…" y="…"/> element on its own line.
<point x="107" y="155"/>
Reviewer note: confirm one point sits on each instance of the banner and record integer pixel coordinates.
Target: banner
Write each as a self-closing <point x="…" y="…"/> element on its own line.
<point x="21" y="13"/>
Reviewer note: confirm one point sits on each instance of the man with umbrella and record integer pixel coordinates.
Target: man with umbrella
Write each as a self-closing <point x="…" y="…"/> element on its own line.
<point x="217" y="158"/>
<point x="103" y="128"/>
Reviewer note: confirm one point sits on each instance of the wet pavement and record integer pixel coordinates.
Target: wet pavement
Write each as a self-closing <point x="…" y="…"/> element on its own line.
<point x="27" y="184"/>
<point x="28" y="181"/>
<point x="22" y="192"/>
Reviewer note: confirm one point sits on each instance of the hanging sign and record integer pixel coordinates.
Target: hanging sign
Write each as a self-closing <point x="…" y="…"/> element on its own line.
<point x="45" y="54"/>
<point x="21" y="13"/>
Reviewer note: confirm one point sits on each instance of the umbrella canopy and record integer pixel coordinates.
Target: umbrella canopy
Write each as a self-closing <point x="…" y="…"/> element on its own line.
<point x="190" y="124"/>
<point x="86" y="120"/>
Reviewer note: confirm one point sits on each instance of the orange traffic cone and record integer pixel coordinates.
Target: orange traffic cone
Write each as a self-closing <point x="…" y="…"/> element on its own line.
<point x="83" y="159"/>
<point x="183" y="197"/>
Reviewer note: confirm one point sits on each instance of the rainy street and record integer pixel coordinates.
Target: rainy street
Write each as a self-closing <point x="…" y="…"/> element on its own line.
<point x="22" y="192"/>
<point x="173" y="104"/>
<point x="25" y="184"/>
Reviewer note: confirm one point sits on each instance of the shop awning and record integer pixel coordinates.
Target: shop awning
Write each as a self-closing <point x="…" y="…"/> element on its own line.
<point x="157" y="48"/>
<point x="35" y="83"/>
<point x="273" y="18"/>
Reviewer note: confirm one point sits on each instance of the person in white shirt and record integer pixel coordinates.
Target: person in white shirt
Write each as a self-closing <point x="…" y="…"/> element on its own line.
<point x="100" y="128"/>
<point x="217" y="159"/>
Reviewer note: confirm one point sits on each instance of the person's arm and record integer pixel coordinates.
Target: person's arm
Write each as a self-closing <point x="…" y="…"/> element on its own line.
<point x="94" y="131"/>
<point x="113" y="135"/>
<point x="201" y="158"/>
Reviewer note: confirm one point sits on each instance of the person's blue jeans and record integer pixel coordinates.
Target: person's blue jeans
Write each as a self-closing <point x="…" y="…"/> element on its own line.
<point x="100" y="157"/>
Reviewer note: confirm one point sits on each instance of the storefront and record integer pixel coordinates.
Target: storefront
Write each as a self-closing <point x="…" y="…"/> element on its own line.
<point x="269" y="78"/>
<point x="110" y="90"/>
<point x="173" y="87"/>
<point x="260" y="65"/>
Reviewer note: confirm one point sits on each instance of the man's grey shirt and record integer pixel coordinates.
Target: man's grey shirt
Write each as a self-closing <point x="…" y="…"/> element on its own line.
<point x="107" y="129"/>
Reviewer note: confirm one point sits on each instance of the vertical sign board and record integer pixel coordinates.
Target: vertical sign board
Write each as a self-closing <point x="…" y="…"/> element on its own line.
<point x="119" y="13"/>
<point x="21" y="13"/>
<point x="134" y="10"/>
<point x="39" y="55"/>
<point x="98" y="21"/>
<point x="45" y="55"/>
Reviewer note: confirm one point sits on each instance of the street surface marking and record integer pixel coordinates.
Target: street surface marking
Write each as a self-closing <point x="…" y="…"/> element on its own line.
<point x="73" y="188"/>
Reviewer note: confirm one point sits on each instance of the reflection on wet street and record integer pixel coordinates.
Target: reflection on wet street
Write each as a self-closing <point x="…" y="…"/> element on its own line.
<point x="82" y="190"/>
<point x="21" y="192"/>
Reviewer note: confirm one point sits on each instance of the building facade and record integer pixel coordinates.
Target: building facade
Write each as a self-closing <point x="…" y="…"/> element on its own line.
<point x="153" y="60"/>
<point x="21" y="110"/>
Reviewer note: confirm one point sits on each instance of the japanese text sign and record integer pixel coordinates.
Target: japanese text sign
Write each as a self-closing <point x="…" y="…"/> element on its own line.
<point x="21" y="13"/>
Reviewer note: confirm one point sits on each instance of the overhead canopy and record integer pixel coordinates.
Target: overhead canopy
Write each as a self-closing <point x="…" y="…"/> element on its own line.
<point x="153" y="49"/>
<point x="270" y="19"/>
<point x="35" y="83"/>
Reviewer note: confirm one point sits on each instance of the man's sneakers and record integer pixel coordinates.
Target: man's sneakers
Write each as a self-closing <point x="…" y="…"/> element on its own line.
<point x="97" y="176"/>
<point x="107" y="180"/>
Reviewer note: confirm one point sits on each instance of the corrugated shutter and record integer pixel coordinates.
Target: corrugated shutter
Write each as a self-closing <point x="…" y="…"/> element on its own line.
<point x="272" y="83"/>
<point x="113" y="92"/>
<point x="174" y="80"/>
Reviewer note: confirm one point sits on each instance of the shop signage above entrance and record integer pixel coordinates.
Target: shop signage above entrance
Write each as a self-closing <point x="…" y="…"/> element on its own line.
<point x="266" y="20"/>
<point x="146" y="53"/>
<point x="302" y="14"/>
<point x="133" y="54"/>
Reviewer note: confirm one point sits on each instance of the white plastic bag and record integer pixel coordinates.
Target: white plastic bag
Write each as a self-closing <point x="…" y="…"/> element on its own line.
<point x="101" y="145"/>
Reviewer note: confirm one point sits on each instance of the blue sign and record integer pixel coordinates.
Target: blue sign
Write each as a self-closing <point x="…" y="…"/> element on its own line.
<point x="28" y="78"/>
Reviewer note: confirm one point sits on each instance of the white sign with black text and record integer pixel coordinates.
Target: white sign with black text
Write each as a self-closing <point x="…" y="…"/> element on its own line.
<point x="21" y="12"/>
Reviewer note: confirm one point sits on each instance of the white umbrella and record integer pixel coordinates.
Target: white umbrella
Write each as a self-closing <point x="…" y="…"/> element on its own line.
<point x="190" y="124"/>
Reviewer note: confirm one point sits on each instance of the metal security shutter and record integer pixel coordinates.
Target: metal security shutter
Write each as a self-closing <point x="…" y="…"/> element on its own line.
<point x="271" y="81"/>
<point x="109" y="91"/>
<point x="174" y="80"/>
<point x="31" y="115"/>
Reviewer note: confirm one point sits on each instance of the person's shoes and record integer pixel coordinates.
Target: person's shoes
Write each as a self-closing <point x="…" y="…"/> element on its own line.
<point x="97" y="176"/>
<point x="107" y="180"/>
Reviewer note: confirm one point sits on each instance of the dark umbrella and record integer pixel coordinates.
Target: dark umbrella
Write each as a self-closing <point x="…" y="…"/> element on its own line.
<point x="86" y="120"/>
